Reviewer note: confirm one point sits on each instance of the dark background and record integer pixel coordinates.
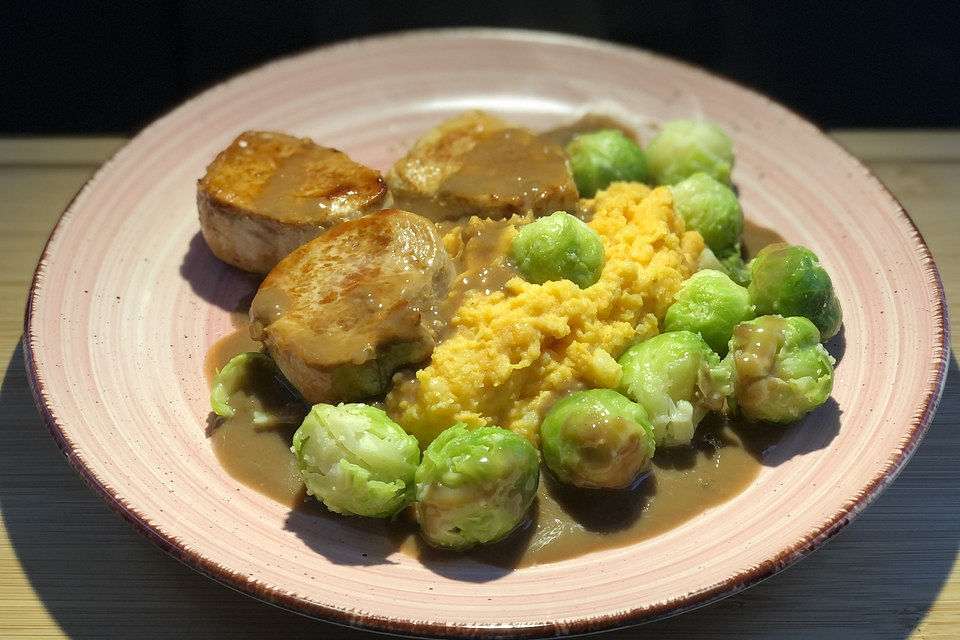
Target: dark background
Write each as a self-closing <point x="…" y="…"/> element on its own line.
<point x="97" y="67"/>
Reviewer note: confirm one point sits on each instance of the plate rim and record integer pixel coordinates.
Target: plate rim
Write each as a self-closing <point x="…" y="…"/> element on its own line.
<point x="939" y="363"/>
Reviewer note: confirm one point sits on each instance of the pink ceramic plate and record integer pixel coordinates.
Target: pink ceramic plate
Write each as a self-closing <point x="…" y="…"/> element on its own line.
<point x="127" y="299"/>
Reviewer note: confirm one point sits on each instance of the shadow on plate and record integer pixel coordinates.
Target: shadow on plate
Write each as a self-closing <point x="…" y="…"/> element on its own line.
<point x="711" y="435"/>
<point x="481" y="564"/>
<point x="363" y="542"/>
<point x="213" y="421"/>
<point x="779" y="444"/>
<point x="95" y="576"/>
<point x="340" y="539"/>
<point x="603" y="511"/>
<point x="214" y="281"/>
<point x="837" y="345"/>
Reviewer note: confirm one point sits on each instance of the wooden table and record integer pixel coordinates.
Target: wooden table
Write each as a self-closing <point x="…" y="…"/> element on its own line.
<point x="71" y="567"/>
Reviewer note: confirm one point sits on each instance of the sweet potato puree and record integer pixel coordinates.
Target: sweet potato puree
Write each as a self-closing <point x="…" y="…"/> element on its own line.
<point x="513" y="352"/>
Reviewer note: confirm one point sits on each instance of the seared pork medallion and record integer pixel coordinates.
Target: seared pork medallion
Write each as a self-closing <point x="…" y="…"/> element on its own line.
<point x="268" y="193"/>
<point x="344" y="311"/>
<point x="479" y="165"/>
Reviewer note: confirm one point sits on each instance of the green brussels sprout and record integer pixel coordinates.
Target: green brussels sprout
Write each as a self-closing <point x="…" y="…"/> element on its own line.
<point x="256" y="374"/>
<point x="711" y="304"/>
<point x="711" y="209"/>
<point x="356" y="460"/>
<point x="558" y="247"/>
<point x="787" y="280"/>
<point x="781" y="371"/>
<point x="597" y="439"/>
<point x="599" y="158"/>
<point x="685" y="147"/>
<point x="734" y="266"/>
<point x="708" y="260"/>
<point x="474" y="487"/>
<point x="352" y="381"/>
<point x="677" y="378"/>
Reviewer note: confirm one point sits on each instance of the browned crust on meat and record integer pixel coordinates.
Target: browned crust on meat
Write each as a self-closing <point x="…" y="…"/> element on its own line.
<point x="417" y="180"/>
<point x="240" y="173"/>
<point x="268" y="193"/>
<point x="364" y="291"/>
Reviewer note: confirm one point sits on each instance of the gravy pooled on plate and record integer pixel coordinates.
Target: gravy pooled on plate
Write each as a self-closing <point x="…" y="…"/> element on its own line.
<point x="565" y="522"/>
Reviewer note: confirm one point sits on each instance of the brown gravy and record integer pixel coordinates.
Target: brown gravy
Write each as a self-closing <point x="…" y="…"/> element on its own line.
<point x="756" y="237"/>
<point x="535" y="166"/>
<point x="565" y="522"/>
<point x="277" y="195"/>
<point x="588" y="123"/>
<point x="480" y="249"/>
<point x="228" y="346"/>
<point x="318" y="184"/>
<point x="724" y="458"/>
<point x="260" y="457"/>
<point x="256" y="454"/>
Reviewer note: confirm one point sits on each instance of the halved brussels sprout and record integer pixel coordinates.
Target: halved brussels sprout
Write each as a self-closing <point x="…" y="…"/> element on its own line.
<point x="597" y="439"/>
<point x="559" y="247"/>
<point x="677" y="378"/>
<point x="356" y="460"/>
<point x="781" y="370"/>
<point x="474" y="487"/>
<point x="711" y="304"/>
<point x="787" y="280"/>
<point x="685" y="147"/>
<point x="256" y="374"/>
<point x="602" y="157"/>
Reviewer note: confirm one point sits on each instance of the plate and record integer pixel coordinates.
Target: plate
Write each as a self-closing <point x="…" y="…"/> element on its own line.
<point x="127" y="299"/>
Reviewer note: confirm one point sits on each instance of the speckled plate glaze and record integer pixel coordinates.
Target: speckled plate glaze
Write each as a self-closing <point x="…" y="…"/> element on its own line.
<point x="127" y="299"/>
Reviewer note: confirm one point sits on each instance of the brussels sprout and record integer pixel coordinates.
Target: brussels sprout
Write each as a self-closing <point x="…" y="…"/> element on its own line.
<point x="677" y="378"/>
<point x="599" y="158"/>
<point x="597" y="439"/>
<point x="787" y="280"/>
<point x="734" y="266"/>
<point x="711" y="304"/>
<point x="685" y="147"/>
<point x="708" y="260"/>
<point x="356" y="460"/>
<point x="256" y="374"/>
<point x="711" y="209"/>
<point x="559" y="247"/>
<point x="352" y="381"/>
<point x="781" y="371"/>
<point x="474" y="487"/>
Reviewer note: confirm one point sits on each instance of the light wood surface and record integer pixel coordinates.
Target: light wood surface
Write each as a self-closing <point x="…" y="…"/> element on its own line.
<point x="69" y="567"/>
